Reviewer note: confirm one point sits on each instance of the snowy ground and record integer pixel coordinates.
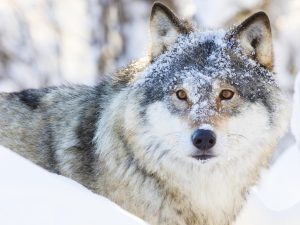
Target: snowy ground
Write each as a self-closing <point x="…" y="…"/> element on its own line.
<point x="39" y="197"/>
<point x="30" y="195"/>
<point x="276" y="200"/>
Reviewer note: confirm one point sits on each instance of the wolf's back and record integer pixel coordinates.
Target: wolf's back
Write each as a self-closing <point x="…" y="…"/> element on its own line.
<point x="20" y="126"/>
<point x="53" y="127"/>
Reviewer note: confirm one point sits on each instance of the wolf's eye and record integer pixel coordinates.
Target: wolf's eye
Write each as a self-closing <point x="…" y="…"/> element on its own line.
<point x="181" y="94"/>
<point x="226" y="94"/>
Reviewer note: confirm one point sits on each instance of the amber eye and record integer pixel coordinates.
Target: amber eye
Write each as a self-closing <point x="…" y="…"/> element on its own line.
<point x="181" y="94"/>
<point x="226" y="94"/>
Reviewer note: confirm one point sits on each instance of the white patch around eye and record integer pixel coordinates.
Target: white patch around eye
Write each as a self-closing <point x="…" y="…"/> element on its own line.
<point x="173" y="131"/>
<point x="180" y="104"/>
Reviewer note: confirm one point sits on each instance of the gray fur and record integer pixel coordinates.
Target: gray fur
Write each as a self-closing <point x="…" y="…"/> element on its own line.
<point x="104" y="136"/>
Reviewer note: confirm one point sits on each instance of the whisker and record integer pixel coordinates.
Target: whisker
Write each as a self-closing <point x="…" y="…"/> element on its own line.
<point x="238" y="135"/>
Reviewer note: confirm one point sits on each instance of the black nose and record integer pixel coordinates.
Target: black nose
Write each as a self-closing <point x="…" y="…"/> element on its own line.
<point x="204" y="139"/>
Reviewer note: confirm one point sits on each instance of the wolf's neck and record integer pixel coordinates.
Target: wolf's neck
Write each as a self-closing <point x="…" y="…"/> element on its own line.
<point x="213" y="199"/>
<point x="217" y="195"/>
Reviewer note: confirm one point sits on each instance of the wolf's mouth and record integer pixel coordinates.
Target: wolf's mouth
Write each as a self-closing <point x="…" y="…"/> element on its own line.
<point x="203" y="156"/>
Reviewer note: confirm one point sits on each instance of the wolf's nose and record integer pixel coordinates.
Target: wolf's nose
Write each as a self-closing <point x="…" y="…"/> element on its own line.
<point x="204" y="139"/>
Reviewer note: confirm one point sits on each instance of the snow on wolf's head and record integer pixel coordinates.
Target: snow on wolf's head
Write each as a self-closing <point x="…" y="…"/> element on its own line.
<point x="207" y="98"/>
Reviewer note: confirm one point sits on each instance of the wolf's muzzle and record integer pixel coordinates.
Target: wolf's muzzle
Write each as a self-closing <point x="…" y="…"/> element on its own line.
<point x="204" y="139"/>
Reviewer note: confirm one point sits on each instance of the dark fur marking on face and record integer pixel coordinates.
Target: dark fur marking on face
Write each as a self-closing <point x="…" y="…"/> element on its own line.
<point x="128" y="163"/>
<point x="157" y="88"/>
<point x="160" y="215"/>
<point x="142" y="113"/>
<point x="163" y="154"/>
<point x="131" y="156"/>
<point x="151" y="96"/>
<point x="135" y="162"/>
<point x="225" y="63"/>
<point x="163" y="32"/>
<point x="253" y="88"/>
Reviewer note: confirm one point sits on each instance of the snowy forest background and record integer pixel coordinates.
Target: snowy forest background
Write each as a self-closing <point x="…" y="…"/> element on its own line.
<point x="50" y="42"/>
<point x="53" y="42"/>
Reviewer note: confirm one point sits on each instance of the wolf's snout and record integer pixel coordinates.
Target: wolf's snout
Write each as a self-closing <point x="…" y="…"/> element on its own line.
<point x="204" y="139"/>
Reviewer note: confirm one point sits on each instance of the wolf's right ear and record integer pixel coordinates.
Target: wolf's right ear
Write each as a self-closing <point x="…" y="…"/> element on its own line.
<point x="255" y="37"/>
<point x="165" y="27"/>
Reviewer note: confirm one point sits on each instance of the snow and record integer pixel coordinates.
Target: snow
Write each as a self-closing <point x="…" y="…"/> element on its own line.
<point x="30" y="195"/>
<point x="188" y="66"/>
<point x="276" y="200"/>
<point x="39" y="197"/>
<point x="282" y="181"/>
<point x="255" y="212"/>
<point x="185" y="46"/>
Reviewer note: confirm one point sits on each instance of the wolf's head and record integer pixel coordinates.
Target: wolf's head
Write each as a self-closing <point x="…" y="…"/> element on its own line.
<point x="207" y="99"/>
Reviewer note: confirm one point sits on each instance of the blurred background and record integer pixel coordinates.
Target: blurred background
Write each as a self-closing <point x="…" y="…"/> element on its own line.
<point x="53" y="42"/>
<point x="50" y="42"/>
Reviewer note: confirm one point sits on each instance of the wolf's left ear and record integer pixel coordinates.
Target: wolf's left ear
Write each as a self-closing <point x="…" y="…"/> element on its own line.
<point x="255" y="38"/>
<point x="165" y="27"/>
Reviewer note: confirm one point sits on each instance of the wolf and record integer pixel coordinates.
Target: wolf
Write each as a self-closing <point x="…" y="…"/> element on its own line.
<point x="176" y="138"/>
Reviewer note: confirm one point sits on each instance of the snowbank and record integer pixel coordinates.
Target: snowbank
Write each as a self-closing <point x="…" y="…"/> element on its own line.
<point x="256" y="213"/>
<point x="30" y="195"/>
<point x="276" y="200"/>
<point x="279" y="187"/>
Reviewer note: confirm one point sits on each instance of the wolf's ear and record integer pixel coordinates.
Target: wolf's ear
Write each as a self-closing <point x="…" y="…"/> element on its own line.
<point x="165" y="28"/>
<point x="255" y="38"/>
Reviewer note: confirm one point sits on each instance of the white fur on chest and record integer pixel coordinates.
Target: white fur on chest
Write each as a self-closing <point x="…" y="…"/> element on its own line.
<point x="214" y="190"/>
<point x="217" y="188"/>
